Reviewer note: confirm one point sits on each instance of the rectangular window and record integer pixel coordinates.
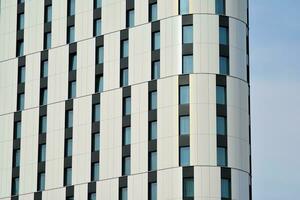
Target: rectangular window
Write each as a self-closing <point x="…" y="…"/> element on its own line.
<point x="187" y="34"/>
<point x="72" y="62"/>
<point x="68" y="147"/>
<point x="184" y="155"/>
<point x="221" y="95"/>
<point x="220" y="7"/>
<point x="153" y="130"/>
<point x="48" y="13"/>
<point x="123" y="193"/>
<point x="224" y="65"/>
<point x="69" y="118"/>
<point x="96" y="142"/>
<point x="126" y="135"/>
<point x="187" y="64"/>
<point x="71" y="34"/>
<point x="153" y="12"/>
<point x="72" y="89"/>
<point x="16" y="160"/>
<point x="95" y="171"/>
<point x="41" y="181"/>
<point x="92" y="196"/>
<point x="184" y="94"/>
<point x="153" y="100"/>
<point x="124" y="48"/>
<point x="42" y="152"/>
<point x="184" y="125"/>
<point x="47" y="40"/>
<point x="124" y="77"/>
<point x="97" y="27"/>
<point x="43" y="124"/>
<point x="96" y="113"/>
<point x="153" y="191"/>
<point x="99" y="83"/>
<point x="17" y="130"/>
<point x="155" y="71"/>
<point x="126" y="165"/>
<point x="100" y="55"/>
<point x="21" y="1"/>
<point x="127" y="106"/>
<point x="225" y="188"/>
<point x="222" y="156"/>
<point x="97" y="4"/>
<point x="155" y="41"/>
<point x="71" y="7"/>
<point x="44" y="69"/>
<point x="20" y="105"/>
<point x="221" y="125"/>
<point x="20" y="48"/>
<point x="70" y="198"/>
<point x="223" y="35"/>
<point x="68" y="176"/>
<point x="20" y="21"/>
<point x="15" y="186"/>
<point x="183" y="7"/>
<point x="21" y="74"/>
<point x="188" y="188"/>
<point x="130" y="18"/>
<point x="44" y="96"/>
<point x="153" y="161"/>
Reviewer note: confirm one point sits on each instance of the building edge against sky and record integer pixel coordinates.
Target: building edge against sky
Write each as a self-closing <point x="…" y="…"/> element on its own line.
<point x="124" y="99"/>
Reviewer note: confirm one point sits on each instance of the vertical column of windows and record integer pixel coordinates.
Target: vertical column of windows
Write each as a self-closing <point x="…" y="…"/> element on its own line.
<point x="71" y="21"/>
<point x="155" y="53"/>
<point x="99" y="64"/>
<point x="97" y="18"/>
<point x="47" y="23"/>
<point x="96" y="117"/>
<point x="187" y="44"/>
<point x="153" y="10"/>
<point x="130" y="14"/>
<point x="72" y="71"/>
<point x="224" y="67"/>
<point x="188" y="183"/>
<point x="124" y="78"/>
<point x="20" y="28"/>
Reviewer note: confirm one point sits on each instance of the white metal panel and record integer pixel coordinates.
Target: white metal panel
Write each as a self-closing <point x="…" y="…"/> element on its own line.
<point x="138" y="187"/>
<point x="108" y="189"/>
<point x="59" y="22"/>
<point x="169" y="183"/>
<point x="113" y="15"/>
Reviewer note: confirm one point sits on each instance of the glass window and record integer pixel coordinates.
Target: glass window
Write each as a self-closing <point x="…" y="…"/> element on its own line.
<point x="96" y="142"/>
<point x="187" y="64"/>
<point x="68" y="176"/>
<point x="153" y="191"/>
<point x="69" y="118"/>
<point x="68" y="147"/>
<point x="97" y="4"/>
<point x="126" y="135"/>
<point x="42" y="152"/>
<point x="155" y="74"/>
<point x="153" y="161"/>
<point x="21" y="1"/>
<point x="124" y="77"/>
<point x="15" y="186"/>
<point x="97" y="27"/>
<point x="71" y="34"/>
<point x="123" y="194"/>
<point x="44" y="96"/>
<point x="153" y="12"/>
<point x="220" y="7"/>
<point x="43" y="124"/>
<point x="69" y="198"/>
<point x="71" y="7"/>
<point x="221" y="125"/>
<point x="223" y="35"/>
<point x="47" y="40"/>
<point x="184" y="7"/>
<point x="72" y="89"/>
<point x="188" y="187"/>
<point x="184" y="92"/>
<point x="92" y="196"/>
<point x="124" y="49"/>
<point x="100" y="55"/>
<point x="153" y="130"/>
<point x="73" y="62"/>
<point x="156" y="41"/>
<point x="17" y="130"/>
<point x="184" y="156"/>
<point x="184" y="123"/>
<point x="41" y="181"/>
<point x="99" y="83"/>
<point x="21" y="74"/>
<point x="96" y="112"/>
<point x="187" y="34"/>
<point x="127" y="106"/>
<point x="126" y="165"/>
<point x="225" y="188"/>
<point x="221" y="95"/>
<point x="95" y="171"/>
<point x="224" y="65"/>
<point x="20" y="48"/>
<point x="16" y="158"/>
<point x="44" y="69"/>
<point x="222" y="156"/>
<point x="130" y="18"/>
<point x="48" y="13"/>
<point x="20" y="101"/>
<point x="153" y="100"/>
<point x="20" y="21"/>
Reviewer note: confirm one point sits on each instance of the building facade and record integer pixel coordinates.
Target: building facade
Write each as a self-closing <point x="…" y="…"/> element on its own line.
<point x="124" y="99"/>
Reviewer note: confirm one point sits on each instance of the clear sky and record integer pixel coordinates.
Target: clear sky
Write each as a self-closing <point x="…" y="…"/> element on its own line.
<point x="275" y="96"/>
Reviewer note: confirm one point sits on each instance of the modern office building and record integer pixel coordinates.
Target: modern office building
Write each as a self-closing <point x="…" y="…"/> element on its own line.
<point x="124" y="99"/>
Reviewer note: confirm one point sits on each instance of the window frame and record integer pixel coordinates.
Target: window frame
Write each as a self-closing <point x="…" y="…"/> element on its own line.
<point x="186" y="69"/>
<point x="182" y="150"/>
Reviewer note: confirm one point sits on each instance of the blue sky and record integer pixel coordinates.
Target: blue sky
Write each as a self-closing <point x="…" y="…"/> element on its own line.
<point x="275" y="98"/>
